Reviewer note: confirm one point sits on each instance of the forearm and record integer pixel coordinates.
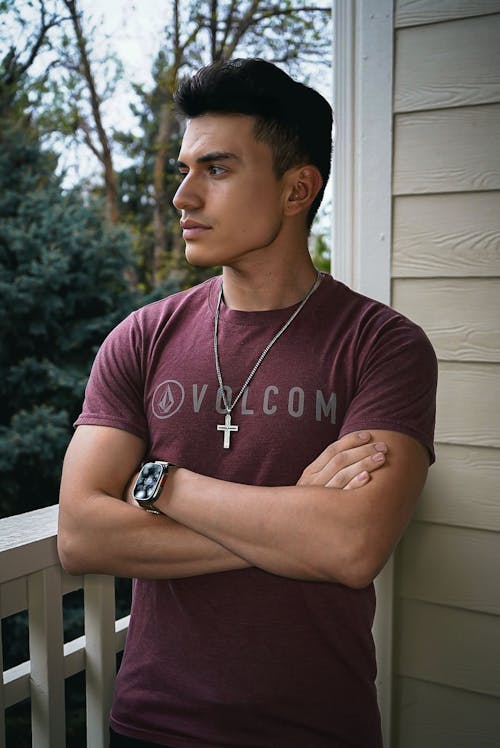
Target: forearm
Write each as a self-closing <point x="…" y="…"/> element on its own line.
<point x="312" y="532"/>
<point x="295" y="531"/>
<point x="101" y="533"/>
<point x="108" y="536"/>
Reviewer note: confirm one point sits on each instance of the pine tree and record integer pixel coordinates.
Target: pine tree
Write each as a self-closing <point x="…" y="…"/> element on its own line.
<point x="63" y="284"/>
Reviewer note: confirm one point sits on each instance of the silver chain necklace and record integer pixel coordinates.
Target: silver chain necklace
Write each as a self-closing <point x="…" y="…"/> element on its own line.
<point x="227" y="427"/>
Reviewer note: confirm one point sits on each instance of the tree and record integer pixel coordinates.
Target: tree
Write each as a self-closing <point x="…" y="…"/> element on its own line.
<point x="17" y="62"/>
<point x="63" y="287"/>
<point x="92" y="125"/>
<point x="70" y="93"/>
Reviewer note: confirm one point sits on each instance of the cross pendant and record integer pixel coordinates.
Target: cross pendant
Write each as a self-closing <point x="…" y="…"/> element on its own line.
<point x="227" y="427"/>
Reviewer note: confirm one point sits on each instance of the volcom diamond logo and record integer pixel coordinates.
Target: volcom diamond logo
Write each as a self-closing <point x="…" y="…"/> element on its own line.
<point x="168" y="398"/>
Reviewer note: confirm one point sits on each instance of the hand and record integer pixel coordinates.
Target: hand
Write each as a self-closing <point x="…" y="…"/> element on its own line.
<point x="347" y="463"/>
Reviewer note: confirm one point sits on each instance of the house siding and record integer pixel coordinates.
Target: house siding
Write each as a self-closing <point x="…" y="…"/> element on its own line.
<point x="445" y="274"/>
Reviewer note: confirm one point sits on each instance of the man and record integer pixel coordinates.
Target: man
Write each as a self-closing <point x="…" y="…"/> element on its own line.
<point x="267" y="391"/>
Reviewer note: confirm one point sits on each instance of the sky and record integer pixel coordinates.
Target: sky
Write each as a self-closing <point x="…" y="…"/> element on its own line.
<point x="135" y="30"/>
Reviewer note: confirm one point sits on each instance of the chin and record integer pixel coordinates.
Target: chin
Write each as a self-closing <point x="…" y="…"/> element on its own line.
<point x="198" y="257"/>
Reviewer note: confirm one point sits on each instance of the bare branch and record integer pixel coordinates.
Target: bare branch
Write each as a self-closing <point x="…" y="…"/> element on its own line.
<point x="104" y="154"/>
<point x="241" y="28"/>
<point x="228" y="24"/>
<point x="19" y="68"/>
<point x="289" y="12"/>
<point x="213" y="28"/>
<point x="87" y="136"/>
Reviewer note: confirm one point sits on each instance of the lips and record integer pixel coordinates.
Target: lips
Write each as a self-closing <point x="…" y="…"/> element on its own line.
<point x="192" y="229"/>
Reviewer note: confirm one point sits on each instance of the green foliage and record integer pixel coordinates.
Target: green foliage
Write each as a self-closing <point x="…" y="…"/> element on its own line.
<point x="320" y="253"/>
<point x="63" y="282"/>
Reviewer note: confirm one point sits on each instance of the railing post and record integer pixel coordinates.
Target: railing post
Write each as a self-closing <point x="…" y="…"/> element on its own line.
<point x="99" y="655"/>
<point x="46" y="641"/>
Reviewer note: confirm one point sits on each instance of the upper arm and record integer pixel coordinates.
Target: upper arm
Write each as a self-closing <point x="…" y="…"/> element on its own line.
<point x="99" y="463"/>
<point x="99" y="460"/>
<point x="388" y="501"/>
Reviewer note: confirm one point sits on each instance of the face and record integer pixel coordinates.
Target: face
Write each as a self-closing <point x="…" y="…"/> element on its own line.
<point x="231" y="201"/>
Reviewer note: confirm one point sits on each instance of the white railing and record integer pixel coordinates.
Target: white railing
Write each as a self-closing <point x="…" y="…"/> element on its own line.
<point x="32" y="579"/>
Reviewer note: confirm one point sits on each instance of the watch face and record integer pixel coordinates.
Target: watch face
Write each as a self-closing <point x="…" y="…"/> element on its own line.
<point x="148" y="481"/>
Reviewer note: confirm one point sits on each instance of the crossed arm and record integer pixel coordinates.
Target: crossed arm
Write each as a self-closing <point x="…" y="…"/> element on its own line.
<point x="314" y="530"/>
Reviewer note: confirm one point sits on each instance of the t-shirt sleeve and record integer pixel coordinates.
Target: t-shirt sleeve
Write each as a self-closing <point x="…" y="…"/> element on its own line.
<point x="114" y="393"/>
<point x="396" y="387"/>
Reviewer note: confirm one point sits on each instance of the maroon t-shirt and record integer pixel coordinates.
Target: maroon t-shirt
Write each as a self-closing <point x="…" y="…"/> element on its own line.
<point x="248" y="659"/>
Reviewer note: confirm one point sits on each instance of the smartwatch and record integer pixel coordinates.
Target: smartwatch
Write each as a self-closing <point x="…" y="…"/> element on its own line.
<point x="149" y="484"/>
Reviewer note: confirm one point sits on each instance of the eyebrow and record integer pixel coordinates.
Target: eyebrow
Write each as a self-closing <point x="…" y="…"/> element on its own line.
<point x="212" y="156"/>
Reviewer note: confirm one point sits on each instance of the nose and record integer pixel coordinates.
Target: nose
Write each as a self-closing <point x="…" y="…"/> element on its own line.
<point x="187" y="197"/>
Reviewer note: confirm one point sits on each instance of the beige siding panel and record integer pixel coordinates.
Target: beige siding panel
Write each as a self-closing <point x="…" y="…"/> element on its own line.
<point x="413" y="12"/>
<point x="453" y="150"/>
<point x="446" y="235"/>
<point x="467" y="404"/>
<point x="453" y="647"/>
<point x="461" y="316"/>
<point x="431" y="716"/>
<point x="463" y="488"/>
<point x="446" y="565"/>
<point x="448" y="64"/>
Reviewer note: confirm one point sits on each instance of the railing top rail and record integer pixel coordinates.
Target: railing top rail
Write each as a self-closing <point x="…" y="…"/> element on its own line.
<point x="28" y="542"/>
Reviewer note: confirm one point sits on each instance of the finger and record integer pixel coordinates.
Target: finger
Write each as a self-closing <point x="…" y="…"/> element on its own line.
<point x="345" y="465"/>
<point x="368" y="464"/>
<point x="350" y="441"/>
<point x="361" y="479"/>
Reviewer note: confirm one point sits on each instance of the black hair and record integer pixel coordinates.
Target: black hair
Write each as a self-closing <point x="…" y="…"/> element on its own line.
<point x="293" y="119"/>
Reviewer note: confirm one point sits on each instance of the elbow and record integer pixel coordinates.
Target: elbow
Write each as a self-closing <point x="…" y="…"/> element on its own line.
<point x="360" y="577"/>
<point x="71" y="557"/>
<point x="364" y="569"/>
<point x="356" y="567"/>
<point x="67" y="556"/>
<point x="356" y="576"/>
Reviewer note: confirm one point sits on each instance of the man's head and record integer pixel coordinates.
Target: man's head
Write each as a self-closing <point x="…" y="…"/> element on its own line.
<point x="293" y="119"/>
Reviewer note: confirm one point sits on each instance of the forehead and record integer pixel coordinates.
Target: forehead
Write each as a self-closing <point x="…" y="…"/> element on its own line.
<point x="223" y="133"/>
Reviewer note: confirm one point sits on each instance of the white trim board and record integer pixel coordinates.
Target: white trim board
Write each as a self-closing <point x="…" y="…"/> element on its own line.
<point x="362" y="162"/>
<point x="363" y="50"/>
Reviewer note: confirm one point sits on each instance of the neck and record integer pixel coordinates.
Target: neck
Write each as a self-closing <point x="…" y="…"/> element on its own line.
<point x="268" y="287"/>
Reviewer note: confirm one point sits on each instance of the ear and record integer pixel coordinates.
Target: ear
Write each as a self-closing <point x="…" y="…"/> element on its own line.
<point x="304" y="183"/>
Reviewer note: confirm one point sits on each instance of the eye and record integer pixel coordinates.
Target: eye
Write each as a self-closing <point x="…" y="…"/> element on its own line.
<point x="216" y="171"/>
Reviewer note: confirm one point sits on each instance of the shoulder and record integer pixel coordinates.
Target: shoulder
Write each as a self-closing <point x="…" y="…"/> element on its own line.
<point x="356" y="306"/>
<point x="372" y="322"/>
<point x="374" y="336"/>
<point x="191" y="301"/>
<point x="152" y="320"/>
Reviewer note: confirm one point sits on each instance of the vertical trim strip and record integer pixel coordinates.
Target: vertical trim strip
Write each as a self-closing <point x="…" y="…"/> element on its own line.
<point x="343" y="150"/>
<point x="362" y="161"/>
<point x="363" y="52"/>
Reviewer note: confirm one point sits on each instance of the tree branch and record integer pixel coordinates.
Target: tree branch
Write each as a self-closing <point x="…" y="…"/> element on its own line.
<point x="240" y="30"/>
<point x="87" y="136"/>
<point x="95" y="104"/>
<point x="228" y="23"/>
<point x="289" y="12"/>
<point x="45" y="25"/>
